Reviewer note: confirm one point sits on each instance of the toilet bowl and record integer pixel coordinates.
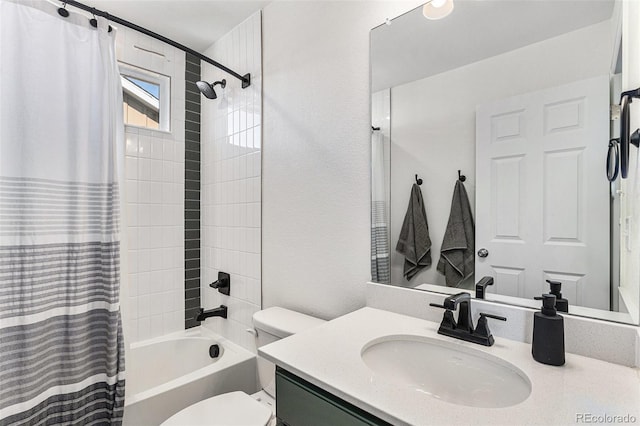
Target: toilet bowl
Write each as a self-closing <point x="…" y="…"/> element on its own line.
<point x="238" y="408"/>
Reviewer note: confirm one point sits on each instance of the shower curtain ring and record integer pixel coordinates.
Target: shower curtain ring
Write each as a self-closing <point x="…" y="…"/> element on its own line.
<point x="62" y="11"/>
<point x="93" y="21"/>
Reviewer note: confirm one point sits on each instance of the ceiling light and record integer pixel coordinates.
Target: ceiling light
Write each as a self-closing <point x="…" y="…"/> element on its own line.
<point x="437" y="9"/>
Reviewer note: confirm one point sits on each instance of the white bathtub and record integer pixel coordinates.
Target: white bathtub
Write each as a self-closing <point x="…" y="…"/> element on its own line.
<point x="166" y="374"/>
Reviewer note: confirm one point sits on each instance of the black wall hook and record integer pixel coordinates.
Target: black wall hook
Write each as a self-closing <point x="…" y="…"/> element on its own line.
<point x="418" y="180"/>
<point x="461" y="178"/>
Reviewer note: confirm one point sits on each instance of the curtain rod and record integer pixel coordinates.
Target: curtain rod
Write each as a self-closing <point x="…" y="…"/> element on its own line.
<point x="245" y="79"/>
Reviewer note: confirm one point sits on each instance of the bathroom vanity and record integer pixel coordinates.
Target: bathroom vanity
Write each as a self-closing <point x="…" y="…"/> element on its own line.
<point x="335" y="370"/>
<point x="300" y="402"/>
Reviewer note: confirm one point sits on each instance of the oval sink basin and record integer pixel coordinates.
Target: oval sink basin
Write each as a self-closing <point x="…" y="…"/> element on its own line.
<point x="448" y="372"/>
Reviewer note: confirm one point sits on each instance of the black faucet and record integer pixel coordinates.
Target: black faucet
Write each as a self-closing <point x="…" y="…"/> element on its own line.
<point x="220" y="311"/>
<point x="465" y="322"/>
<point x="482" y="285"/>
<point x="463" y="328"/>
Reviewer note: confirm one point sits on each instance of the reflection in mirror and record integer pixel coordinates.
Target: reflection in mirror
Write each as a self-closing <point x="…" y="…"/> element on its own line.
<point x="380" y="145"/>
<point x="516" y="96"/>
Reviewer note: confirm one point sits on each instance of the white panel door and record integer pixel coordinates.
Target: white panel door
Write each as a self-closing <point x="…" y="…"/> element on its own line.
<point x="542" y="200"/>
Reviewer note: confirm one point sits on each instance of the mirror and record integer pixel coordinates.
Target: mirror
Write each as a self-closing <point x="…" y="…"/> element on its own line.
<point x="502" y="111"/>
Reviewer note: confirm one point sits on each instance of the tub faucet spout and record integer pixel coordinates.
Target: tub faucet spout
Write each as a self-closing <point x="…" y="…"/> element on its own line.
<point x="220" y="311"/>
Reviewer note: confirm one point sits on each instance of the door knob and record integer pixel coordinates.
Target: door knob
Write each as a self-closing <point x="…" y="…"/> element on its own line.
<point x="483" y="252"/>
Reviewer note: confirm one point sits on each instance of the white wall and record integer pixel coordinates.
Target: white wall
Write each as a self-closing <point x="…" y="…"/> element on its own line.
<point x="231" y="191"/>
<point x="433" y="124"/>
<point x="316" y="212"/>
<point x="154" y="172"/>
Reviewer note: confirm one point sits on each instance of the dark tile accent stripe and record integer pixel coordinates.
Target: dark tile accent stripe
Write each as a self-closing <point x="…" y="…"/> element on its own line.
<point x="192" y="116"/>
<point x="193" y="76"/>
<point x="193" y="284"/>
<point x="192" y="293"/>
<point x="192" y="146"/>
<point x="192" y="192"/>
<point x="191" y="96"/>
<point x="192" y="254"/>
<point x="189" y="318"/>
<point x="192" y="136"/>
<point x="192" y="205"/>
<point x="193" y="67"/>
<point x="192" y="234"/>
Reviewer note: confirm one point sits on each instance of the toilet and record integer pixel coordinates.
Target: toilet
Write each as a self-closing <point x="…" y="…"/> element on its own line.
<point x="238" y="408"/>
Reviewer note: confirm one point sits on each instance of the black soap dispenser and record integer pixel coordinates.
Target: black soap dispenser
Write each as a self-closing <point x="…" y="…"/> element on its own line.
<point x="548" y="333"/>
<point x="562" y="304"/>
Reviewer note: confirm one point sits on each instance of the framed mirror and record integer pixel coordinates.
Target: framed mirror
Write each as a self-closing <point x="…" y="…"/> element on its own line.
<point x="490" y="128"/>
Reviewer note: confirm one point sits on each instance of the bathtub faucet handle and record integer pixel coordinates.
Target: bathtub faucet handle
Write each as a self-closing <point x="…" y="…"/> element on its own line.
<point x="223" y="283"/>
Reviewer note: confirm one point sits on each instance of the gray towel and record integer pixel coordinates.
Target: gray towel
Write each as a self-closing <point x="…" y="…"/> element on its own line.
<point x="456" y="255"/>
<point x="414" y="242"/>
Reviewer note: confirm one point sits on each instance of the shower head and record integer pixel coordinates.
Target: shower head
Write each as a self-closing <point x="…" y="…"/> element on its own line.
<point x="207" y="88"/>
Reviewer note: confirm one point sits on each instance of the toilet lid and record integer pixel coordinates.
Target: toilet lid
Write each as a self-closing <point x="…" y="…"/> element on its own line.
<point x="229" y="409"/>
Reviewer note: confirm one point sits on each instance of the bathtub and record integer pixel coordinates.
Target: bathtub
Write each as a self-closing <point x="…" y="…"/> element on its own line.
<point x="166" y="374"/>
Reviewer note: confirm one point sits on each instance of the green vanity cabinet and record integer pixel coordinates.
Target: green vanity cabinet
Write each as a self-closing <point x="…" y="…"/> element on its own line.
<point x="300" y="403"/>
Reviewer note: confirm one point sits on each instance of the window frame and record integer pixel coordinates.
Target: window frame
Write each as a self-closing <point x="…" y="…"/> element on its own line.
<point x="164" y="84"/>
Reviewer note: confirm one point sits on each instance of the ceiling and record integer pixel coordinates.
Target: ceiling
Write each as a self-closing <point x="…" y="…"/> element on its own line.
<point x="413" y="47"/>
<point x="194" y="23"/>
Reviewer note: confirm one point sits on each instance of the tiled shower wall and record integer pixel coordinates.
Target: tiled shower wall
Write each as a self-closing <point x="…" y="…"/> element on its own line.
<point x="231" y="183"/>
<point x="192" y="193"/>
<point x="154" y="172"/>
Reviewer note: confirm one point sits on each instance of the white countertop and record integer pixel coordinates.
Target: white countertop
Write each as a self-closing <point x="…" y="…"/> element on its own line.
<point x="329" y="357"/>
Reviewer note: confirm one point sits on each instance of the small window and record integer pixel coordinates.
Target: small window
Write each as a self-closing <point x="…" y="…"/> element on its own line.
<point x="145" y="96"/>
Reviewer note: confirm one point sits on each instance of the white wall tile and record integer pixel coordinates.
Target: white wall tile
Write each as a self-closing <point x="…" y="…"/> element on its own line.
<point x="156" y="325"/>
<point x="154" y="169"/>
<point x="231" y="184"/>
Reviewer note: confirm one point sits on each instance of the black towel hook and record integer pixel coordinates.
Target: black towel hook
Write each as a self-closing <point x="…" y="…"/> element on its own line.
<point x="418" y="180"/>
<point x="461" y="178"/>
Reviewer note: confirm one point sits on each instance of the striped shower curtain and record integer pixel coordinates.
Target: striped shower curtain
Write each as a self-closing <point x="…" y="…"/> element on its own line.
<point x="380" y="262"/>
<point x="61" y="347"/>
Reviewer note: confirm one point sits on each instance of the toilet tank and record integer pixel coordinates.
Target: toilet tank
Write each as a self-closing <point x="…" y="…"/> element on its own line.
<point x="273" y="324"/>
<point x="277" y="323"/>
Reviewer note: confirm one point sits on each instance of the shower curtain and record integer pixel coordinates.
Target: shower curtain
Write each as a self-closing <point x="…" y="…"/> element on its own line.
<point x="61" y="133"/>
<point x="379" y="227"/>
